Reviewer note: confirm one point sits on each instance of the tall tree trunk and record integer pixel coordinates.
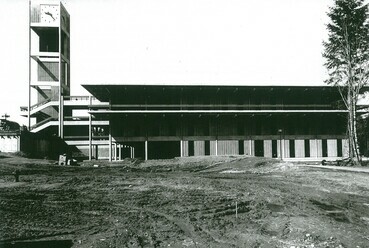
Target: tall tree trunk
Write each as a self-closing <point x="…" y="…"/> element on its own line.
<point x="356" y="143"/>
<point x="347" y="52"/>
<point x="352" y="134"/>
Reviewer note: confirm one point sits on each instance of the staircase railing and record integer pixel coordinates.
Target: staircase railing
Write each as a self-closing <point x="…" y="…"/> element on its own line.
<point x="25" y="108"/>
<point x="40" y="103"/>
<point x="43" y="122"/>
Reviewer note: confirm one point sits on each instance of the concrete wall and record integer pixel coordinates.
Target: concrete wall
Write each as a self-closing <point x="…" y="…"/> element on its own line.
<point x="38" y="146"/>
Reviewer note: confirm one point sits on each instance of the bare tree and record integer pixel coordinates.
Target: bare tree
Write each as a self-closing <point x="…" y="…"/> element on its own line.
<point x="347" y="59"/>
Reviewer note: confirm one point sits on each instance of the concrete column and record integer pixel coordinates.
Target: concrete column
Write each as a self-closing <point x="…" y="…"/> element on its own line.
<point x="181" y="148"/>
<point x="96" y="152"/>
<point x="115" y="151"/>
<point x="133" y="154"/>
<point x="317" y="149"/>
<point x="250" y="148"/>
<point x="120" y="151"/>
<point x="89" y="137"/>
<point x="283" y="146"/>
<point x="110" y="143"/>
<point x="29" y="68"/>
<point x="146" y="151"/>
<point x="216" y="147"/>
<point x="61" y="102"/>
<point x="61" y="115"/>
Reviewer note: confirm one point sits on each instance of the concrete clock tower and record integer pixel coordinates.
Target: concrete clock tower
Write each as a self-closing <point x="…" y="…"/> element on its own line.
<point x="49" y="63"/>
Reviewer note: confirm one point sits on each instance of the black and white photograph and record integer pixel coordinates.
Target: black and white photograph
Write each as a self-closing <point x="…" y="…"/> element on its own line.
<point x="184" y="123"/>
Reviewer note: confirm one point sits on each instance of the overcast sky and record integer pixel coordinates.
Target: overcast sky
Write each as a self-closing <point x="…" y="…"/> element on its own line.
<point x="269" y="42"/>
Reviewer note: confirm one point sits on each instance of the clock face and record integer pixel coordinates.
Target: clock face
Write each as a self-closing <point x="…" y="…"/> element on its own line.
<point x="49" y="13"/>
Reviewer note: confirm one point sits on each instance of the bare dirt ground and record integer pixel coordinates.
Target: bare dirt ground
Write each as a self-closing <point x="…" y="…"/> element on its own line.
<point x="193" y="202"/>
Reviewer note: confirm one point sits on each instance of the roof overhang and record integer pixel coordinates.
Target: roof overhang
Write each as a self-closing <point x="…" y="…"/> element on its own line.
<point x="103" y="92"/>
<point x="216" y="112"/>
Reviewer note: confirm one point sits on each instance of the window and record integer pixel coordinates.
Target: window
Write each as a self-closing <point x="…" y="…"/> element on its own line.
<point x="292" y="148"/>
<point x="307" y="148"/>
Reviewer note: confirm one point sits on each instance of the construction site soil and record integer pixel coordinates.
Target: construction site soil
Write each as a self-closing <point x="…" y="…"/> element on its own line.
<point x="187" y="202"/>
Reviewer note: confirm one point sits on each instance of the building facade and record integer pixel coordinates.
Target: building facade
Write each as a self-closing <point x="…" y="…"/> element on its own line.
<point x="164" y="121"/>
<point x="51" y="110"/>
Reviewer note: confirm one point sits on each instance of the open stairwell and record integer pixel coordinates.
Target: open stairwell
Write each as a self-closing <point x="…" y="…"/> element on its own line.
<point x="44" y="124"/>
<point x="42" y="105"/>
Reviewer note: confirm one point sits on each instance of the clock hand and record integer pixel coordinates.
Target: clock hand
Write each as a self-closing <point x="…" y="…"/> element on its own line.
<point x="51" y="15"/>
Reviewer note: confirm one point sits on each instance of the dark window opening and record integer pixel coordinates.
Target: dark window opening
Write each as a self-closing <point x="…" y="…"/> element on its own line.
<point x="163" y="149"/>
<point x="307" y="148"/>
<point x="259" y="148"/>
<point x="324" y="148"/>
<point x="49" y="40"/>
<point x="274" y="149"/>
<point x="339" y="148"/>
<point x="241" y="147"/>
<point x="191" y="148"/>
<point x="292" y="149"/>
<point x="207" y="147"/>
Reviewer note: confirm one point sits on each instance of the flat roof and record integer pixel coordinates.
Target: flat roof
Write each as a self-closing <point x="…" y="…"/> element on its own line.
<point x="103" y="92"/>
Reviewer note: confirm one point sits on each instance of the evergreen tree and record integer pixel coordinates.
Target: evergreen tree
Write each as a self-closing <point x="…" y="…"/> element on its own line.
<point x="347" y="59"/>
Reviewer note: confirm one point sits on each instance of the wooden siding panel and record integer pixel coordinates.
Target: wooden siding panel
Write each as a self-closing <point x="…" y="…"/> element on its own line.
<point x="228" y="147"/>
<point x="268" y="149"/>
<point x="299" y="148"/>
<point x="313" y="148"/>
<point x="345" y="148"/>
<point x="199" y="148"/>
<point x="286" y="150"/>
<point x="332" y="147"/>
<point x="319" y="147"/>
<point x="185" y="148"/>
<point x="212" y="147"/>
<point x="279" y="142"/>
<point x="249" y="147"/>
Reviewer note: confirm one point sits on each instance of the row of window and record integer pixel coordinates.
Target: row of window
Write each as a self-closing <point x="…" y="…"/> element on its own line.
<point x="260" y="152"/>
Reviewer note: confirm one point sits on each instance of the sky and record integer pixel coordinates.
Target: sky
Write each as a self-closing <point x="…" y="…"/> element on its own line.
<point x="250" y="42"/>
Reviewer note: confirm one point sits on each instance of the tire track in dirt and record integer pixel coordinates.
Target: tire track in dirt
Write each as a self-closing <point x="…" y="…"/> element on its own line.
<point x="199" y="236"/>
<point x="189" y="230"/>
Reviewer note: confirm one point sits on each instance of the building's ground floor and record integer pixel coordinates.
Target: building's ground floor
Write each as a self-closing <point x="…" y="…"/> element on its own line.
<point x="161" y="136"/>
<point x="302" y="148"/>
<point x="168" y="135"/>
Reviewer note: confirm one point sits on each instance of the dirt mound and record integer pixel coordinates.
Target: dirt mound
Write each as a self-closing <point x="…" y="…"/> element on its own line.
<point x="251" y="165"/>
